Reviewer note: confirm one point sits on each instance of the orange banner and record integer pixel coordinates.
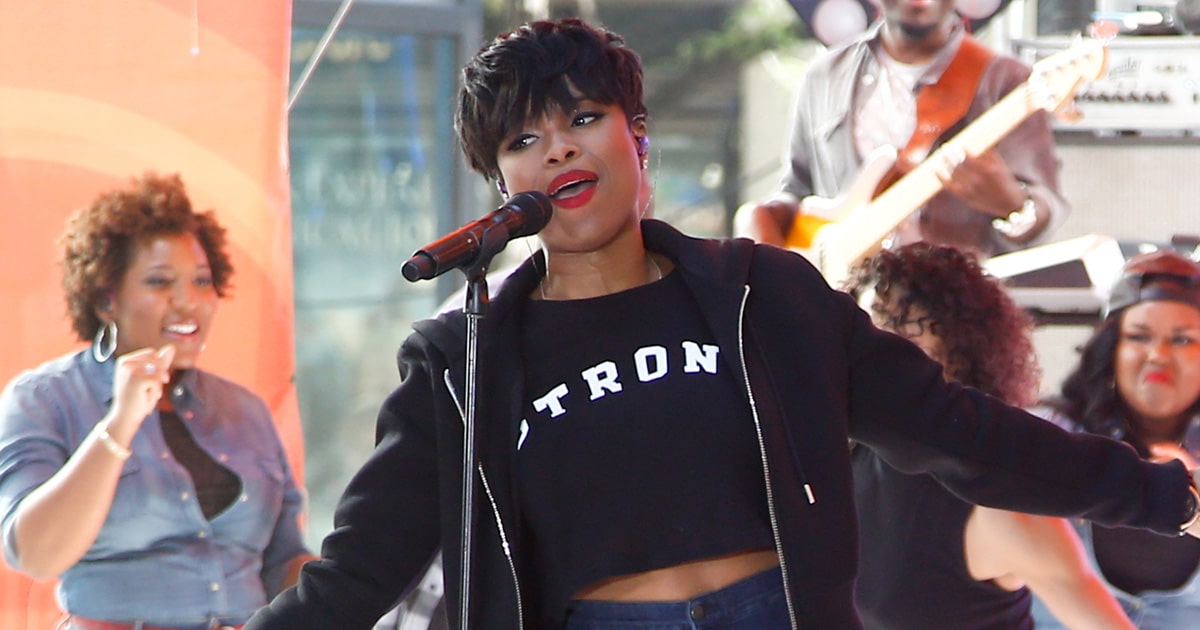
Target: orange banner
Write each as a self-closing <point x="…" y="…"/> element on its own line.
<point x="92" y="93"/>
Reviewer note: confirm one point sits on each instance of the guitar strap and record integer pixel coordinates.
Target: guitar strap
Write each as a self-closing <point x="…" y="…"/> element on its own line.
<point x="942" y="104"/>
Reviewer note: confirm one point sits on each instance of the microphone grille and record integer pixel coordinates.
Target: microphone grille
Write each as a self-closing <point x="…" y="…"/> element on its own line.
<point x="535" y="210"/>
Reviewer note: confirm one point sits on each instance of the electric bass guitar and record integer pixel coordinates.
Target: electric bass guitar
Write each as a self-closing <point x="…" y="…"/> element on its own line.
<point x="835" y="246"/>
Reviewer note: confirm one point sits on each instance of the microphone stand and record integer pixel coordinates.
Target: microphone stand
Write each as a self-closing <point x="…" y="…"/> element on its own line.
<point x="522" y="214"/>
<point x="475" y="309"/>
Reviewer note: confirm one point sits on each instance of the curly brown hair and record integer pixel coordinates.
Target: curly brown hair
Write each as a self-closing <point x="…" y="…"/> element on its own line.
<point x="100" y="241"/>
<point x="986" y="336"/>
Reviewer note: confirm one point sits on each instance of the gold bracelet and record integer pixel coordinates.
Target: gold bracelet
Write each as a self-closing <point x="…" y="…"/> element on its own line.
<point x="122" y="453"/>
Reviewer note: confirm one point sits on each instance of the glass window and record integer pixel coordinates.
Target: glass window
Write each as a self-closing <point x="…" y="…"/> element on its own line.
<point x="372" y="152"/>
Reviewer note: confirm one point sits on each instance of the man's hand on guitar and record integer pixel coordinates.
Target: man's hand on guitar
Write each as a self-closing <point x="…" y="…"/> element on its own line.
<point x="984" y="182"/>
<point x="766" y="222"/>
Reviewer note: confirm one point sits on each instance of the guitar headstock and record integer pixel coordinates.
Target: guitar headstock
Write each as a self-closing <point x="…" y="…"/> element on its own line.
<point x="1054" y="80"/>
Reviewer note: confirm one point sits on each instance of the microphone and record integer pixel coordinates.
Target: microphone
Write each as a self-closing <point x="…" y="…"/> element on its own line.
<point x="522" y="214"/>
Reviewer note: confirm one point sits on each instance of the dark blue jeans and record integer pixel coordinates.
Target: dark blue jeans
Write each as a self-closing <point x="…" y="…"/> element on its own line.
<point x="755" y="603"/>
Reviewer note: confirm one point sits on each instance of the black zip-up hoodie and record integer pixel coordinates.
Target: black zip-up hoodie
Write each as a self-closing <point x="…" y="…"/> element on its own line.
<point x="816" y="375"/>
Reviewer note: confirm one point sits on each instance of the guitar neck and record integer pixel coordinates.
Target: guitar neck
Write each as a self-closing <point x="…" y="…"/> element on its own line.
<point x="867" y="229"/>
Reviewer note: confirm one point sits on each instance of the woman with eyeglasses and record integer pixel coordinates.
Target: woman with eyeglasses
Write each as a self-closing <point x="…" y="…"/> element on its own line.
<point x="928" y="558"/>
<point x="1138" y="380"/>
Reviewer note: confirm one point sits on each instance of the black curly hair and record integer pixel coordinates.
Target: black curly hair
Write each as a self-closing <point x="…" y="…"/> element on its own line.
<point x="521" y="74"/>
<point x="986" y="336"/>
<point x="100" y="241"/>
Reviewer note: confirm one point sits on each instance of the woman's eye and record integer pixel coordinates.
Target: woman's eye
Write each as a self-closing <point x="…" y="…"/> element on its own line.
<point x="520" y="143"/>
<point x="1137" y="337"/>
<point x="158" y="281"/>
<point x="204" y="281"/>
<point x="585" y="118"/>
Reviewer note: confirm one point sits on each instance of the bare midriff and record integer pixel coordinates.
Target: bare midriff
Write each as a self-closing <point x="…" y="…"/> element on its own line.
<point x="682" y="581"/>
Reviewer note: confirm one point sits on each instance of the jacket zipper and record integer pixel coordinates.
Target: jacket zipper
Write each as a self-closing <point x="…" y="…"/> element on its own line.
<point x="487" y="488"/>
<point x="762" y="451"/>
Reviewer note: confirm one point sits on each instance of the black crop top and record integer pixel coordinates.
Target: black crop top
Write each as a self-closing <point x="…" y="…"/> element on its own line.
<point x="638" y="451"/>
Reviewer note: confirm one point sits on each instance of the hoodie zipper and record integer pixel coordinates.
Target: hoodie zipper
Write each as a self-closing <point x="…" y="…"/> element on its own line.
<point x="762" y="451"/>
<point x="487" y="489"/>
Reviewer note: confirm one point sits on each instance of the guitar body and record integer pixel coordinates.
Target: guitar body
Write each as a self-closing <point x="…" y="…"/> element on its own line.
<point x="816" y="232"/>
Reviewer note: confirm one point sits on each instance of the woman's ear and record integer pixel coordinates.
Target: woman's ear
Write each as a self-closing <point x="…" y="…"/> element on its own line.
<point x="638" y="127"/>
<point x="104" y="307"/>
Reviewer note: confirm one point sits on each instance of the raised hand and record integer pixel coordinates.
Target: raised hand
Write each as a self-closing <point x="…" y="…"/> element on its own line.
<point x="138" y="385"/>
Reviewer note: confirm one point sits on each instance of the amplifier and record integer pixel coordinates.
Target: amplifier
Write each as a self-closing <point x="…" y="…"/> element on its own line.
<point x="1152" y="85"/>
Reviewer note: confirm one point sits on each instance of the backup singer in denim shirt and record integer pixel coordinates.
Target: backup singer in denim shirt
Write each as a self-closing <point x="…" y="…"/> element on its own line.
<point x="159" y="494"/>
<point x="157" y="554"/>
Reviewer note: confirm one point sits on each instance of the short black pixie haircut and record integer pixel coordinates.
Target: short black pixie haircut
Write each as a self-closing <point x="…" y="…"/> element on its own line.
<point x="522" y="74"/>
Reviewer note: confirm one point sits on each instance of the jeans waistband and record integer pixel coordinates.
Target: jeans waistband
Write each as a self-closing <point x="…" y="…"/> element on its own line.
<point x="752" y="595"/>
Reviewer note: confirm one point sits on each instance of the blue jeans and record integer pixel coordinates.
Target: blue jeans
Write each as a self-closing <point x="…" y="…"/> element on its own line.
<point x="755" y="603"/>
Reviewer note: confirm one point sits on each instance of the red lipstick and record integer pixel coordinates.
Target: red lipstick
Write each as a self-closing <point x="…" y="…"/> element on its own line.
<point x="581" y="184"/>
<point x="1159" y="376"/>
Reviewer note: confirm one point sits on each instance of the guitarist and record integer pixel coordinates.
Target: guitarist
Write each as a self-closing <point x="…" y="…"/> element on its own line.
<point x="866" y="93"/>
